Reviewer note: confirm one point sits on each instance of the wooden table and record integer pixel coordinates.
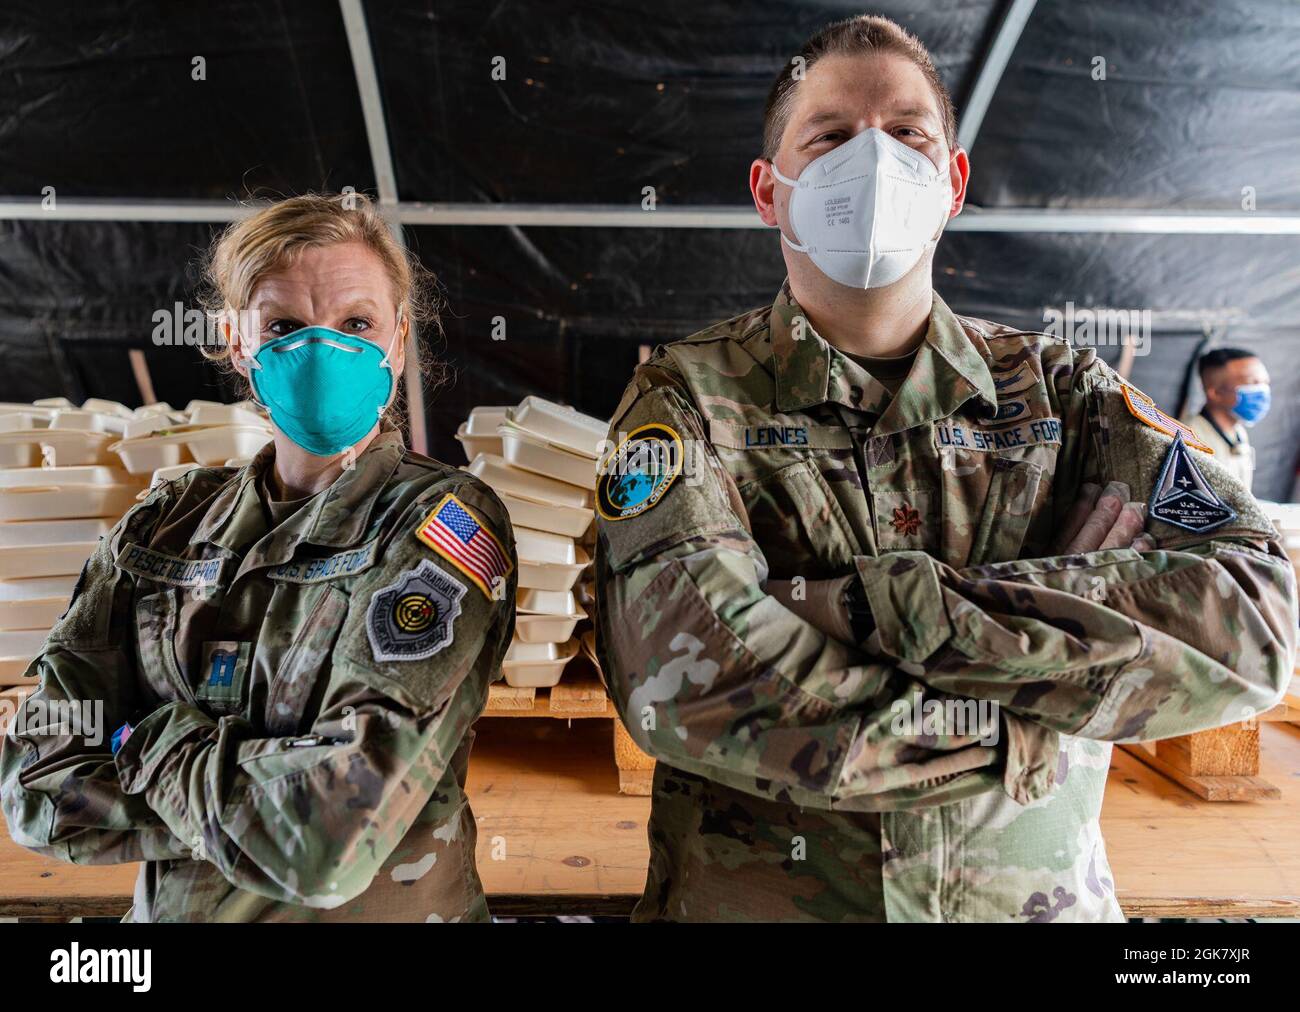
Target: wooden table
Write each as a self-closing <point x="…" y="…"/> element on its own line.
<point x="548" y="790"/>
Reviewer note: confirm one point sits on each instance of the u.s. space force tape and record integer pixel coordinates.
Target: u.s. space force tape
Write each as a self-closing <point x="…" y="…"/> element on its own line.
<point x="331" y="567"/>
<point x="168" y="568"/>
<point x="1027" y="433"/>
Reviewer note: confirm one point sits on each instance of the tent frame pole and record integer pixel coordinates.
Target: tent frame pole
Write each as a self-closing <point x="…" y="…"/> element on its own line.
<point x="1134" y="220"/>
<point x="381" y="158"/>
<point x="991" y="70"/>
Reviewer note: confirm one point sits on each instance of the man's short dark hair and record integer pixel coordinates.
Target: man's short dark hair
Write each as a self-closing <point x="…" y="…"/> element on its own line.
<point x="859" y="36"/>
<point x="1217" y="358"/>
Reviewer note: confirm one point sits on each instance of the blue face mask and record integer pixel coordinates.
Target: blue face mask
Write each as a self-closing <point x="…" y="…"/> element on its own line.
<point x="324" y="389"/>
<point x="1252" y="404"/>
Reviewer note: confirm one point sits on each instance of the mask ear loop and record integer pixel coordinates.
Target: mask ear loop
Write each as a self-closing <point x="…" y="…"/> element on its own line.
<point x="794" y="184"/>
<point x="384" y="363"/>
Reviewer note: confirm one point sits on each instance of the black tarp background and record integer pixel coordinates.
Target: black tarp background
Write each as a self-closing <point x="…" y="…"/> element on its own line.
<point x="1201" y="100"/>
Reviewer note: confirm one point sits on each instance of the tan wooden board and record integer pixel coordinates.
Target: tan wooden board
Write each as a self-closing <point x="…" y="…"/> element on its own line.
<point x="548" y="790"/>
<point x="568" y="700"/>
<point x="1175" y="855"/>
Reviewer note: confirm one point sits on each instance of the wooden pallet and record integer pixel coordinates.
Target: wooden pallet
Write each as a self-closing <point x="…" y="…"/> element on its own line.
<point x="579" y="696"/>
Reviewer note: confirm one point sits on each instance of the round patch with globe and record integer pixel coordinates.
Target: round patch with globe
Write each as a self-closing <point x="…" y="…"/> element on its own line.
<point x="639" y="472"/>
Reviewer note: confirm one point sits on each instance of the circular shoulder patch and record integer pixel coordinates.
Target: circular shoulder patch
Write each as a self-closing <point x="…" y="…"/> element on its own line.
<point x="639" y="472"/>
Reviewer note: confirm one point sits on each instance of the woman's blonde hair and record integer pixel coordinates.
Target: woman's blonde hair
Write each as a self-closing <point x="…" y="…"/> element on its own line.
<point x="272" y="238"/>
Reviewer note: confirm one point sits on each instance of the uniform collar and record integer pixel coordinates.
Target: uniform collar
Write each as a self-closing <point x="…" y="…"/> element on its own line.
<point x="1235" y="440"/>
<point x="947" y="372"/>
<point x="336" y="516"/>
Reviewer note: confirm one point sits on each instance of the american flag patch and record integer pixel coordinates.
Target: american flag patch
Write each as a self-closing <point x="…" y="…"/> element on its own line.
<point x="455" y="533"/>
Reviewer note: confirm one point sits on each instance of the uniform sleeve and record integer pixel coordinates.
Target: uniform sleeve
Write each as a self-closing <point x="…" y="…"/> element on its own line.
<point x="61" y="795"/>
<point x="311" y="819"/>
<point x="1115" y="645"/>
<point x="715" y="676"/>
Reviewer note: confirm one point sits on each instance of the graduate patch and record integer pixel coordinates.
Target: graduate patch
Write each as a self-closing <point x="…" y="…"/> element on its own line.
<point x="1144" y="409"/>
<point x="1183" y="497"/>
<point x="638" y="474"/>
<point x="412" y="618"/>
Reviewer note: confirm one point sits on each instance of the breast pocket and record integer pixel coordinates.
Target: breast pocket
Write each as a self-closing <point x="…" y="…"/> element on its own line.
<point x="1008" y="511"/>
<point x="798" y="523"/>
<point x="298" y="677"/>
<point x="157" y="618"/>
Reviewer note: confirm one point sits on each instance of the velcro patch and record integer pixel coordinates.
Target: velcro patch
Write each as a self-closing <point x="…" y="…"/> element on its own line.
<point x="223" y="666"/>
<point x="331" y="567"/>
<point x="456" y="533"/>
<point x="168" y="568"/>
<point x="1144" y="409"/>
<point x="637" y="475"/>
<point x="1008" y="437"/>
<point x="1183" y="497"/>
<point x="411" y="618"/>
<point x="778" y="435"/>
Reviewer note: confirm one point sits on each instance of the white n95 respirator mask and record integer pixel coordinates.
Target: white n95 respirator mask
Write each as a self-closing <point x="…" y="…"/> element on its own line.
<point x="866" y="212"/>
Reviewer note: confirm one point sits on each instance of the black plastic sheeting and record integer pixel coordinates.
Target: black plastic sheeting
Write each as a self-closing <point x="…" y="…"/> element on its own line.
<point x="1200" y="100"/>
<point x="100" y="99"/>
<point x="602" y="99"/>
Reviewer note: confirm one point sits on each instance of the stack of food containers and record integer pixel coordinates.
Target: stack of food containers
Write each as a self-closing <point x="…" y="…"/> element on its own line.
<point x="67" y="474"/>
<point x="206" y="434"/>
<point x="541" y="458"/>
<point x="60" y="489"/>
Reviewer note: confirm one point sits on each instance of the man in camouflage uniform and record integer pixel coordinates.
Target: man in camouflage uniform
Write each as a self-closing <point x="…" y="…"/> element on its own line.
<point x="299" y="693"/>
<point x="800" y="551"/>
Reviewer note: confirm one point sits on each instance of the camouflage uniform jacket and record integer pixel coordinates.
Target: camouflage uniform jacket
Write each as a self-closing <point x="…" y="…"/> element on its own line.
<point x="794" y="781"/>
<point x="301" y="697"/>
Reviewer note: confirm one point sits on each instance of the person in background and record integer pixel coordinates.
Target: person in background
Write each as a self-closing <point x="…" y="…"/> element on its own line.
<point x="292" y="653"/>
<point x="1236" y="397"/>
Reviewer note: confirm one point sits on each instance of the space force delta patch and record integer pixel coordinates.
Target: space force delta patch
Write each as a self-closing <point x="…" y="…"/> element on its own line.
<point x="1183" y="497"/>
<point x="412" y="617"/>
<point x="168" y="568"/>
<point x="640" y="471"/>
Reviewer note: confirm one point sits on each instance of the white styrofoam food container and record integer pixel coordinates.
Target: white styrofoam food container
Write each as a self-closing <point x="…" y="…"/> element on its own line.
<point x="44" y="477"/>
<point x="502" y="477"/>
<point x="48" y="547"/>
<point x="16" y="652"/>
<point x="66" y="502"/>
<point x="18" y="447"/>
<point x="556" y="603"/>
<point x="521" y="449"/>
<point x="545" y="628"/>
<point x="566" y="520"/>
<point x="34" y="603"/>
<point x="541" y="547"/>
<point x="104" y="407"/>
<point x="209" y="445"/>
<point x="478" y="433"/>
<point x="560" y="426"/>
<point x="539" y="674"/>
<point x="547" y="576"/>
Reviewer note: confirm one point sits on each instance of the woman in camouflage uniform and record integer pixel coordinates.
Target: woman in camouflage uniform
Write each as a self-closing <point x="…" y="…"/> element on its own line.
<point x="291" y="654"/>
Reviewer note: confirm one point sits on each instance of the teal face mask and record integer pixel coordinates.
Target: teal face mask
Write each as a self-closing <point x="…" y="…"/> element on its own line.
<point x="324" y="389"/>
